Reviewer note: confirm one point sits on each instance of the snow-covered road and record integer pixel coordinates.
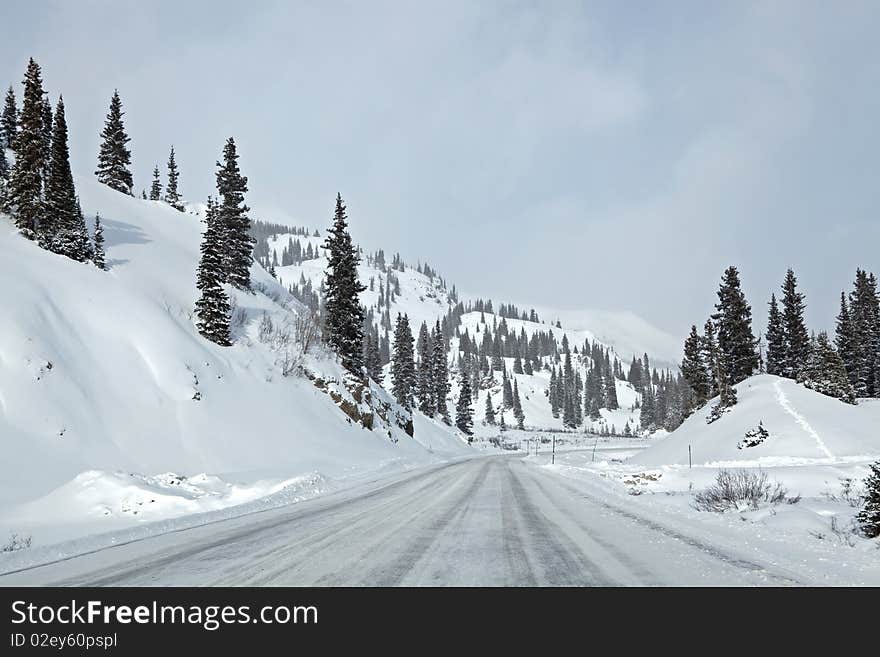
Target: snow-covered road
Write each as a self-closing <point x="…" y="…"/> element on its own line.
<point x="486" y="521"/>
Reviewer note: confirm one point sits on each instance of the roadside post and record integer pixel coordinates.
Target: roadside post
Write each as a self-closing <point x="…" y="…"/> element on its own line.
<point x="553" y="456"/>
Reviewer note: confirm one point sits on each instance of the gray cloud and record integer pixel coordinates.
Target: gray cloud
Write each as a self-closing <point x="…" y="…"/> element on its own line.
<point x="614" y="155"/>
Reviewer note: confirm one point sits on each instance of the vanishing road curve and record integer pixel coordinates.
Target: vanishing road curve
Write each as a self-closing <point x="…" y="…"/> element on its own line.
<point x="492" y="521"/>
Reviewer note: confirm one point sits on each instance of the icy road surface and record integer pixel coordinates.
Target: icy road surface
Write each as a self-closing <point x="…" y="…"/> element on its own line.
<point x="493" y="521"/>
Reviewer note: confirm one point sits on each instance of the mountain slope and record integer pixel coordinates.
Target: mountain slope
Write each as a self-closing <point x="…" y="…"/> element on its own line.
<point x="105" y="371"/>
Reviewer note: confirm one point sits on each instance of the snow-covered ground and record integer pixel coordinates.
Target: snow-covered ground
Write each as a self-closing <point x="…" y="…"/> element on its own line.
<point x="115" y="413"/>
<point x="817" y="448"/>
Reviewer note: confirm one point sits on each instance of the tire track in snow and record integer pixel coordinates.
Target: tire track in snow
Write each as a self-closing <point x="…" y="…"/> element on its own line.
<point x="800" y="419"/>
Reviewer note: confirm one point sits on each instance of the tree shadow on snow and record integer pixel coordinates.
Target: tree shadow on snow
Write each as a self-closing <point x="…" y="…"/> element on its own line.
<point x="119" y="232"/>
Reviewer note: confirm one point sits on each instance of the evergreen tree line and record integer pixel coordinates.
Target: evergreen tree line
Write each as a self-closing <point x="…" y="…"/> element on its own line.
<point x="726" y="352"/>
<point x="38" y="189"/>
<point x="508" y="311"/>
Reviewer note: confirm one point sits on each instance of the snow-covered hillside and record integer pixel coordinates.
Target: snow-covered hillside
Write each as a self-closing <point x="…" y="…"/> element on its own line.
<point x="426" y="298"/>
<point x="802" y="425"/>
<point x="104" y="372"/>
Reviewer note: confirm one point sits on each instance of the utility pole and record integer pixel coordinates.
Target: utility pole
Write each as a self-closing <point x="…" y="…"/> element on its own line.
<point x="690" y="459"/>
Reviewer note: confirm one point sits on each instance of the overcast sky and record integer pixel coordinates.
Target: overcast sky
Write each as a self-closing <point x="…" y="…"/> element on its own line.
<point x="614" y="155"/>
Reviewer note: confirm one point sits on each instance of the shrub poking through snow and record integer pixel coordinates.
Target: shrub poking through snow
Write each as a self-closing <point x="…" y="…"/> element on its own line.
<point x="16" y="542"/>
<point x="754" y="437"/>
<point x="869" y="517"/>
<point x="740" y="490"/>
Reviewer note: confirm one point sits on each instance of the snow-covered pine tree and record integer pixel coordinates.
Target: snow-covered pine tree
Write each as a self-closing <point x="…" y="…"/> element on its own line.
<point x="238" y="244"/>
<point x="824" y="371"/>
<point x="62" y="229"/>
<point x="212" y="308"/>
<point x="88" y="252"/>
<point x="156" y="186"/>
<point x="463" y="413"/>
<point x="797" y="340"/>
<point x="843" y="338"/>
<point x="98" y="256"/>
<point x="9" y="120"/>
<point x="864" y="312"/>
<point x="733" y="319"/>
<point x="172" y="194"/>
<point x="425" y="374"/>
<point x="441" y="373"/>
<point x="869" y="515"/>
<point x="694" y="370"/>
<point x="490" y="411"/>
<point x="402" y="365"/>
<point x="4" y="176"/>
<point x="611" y="402"/>
<point x="517" y="407"/>
<point x="506" y="392"/>
<point x="114" y="157"/>
<point x="47" y="135"/>
<point x="646" y="412"/>
<point x="372" y="360"/>
<point x="24" y="193"/>
<point x="775" y="339"/>
<point x="710" y="355"/>
<point x="551" y="389"/>
<point x="343" y="313"/>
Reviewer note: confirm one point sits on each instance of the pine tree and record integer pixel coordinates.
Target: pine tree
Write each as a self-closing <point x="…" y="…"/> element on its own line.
<point x="463" y="412"/>
<point x="693" y="368"/>
<point x="517" y="407"/>
<point x="611" y="402"/>
<point x="343" y="313"/>
<point x="797" y="340"/>
<point x="843" y="338"/>
<point x="172" y="195"/>
<point x="441" y="373"/>
<point x="212" y="308"/>
<point x="824" y="371"/>
<point x="864" y="312"/>
<point x="490" y="411"/>
<point x="554" y="383"/>
<point x="98" y="256"/>
<point x="372" y="359"/>
<point x="156" y="187"/>
<point x="63" y="228"/>
<point x="775" y="340"/>
<point x="869" y="515"/>
<point x="47" y="136"/>
<point x="4" y="176"/>
<point x="9" y="120"/>
<point x="711" y="355"/>
<point x="114" y="157"/>
<point x="646" y="414"/>
<point x="238" y="244"/>
<point x="425" y="371"/>
<point x="24" y="194"/>
<point x="402" y="365"/>
<point x="733" y="318"/>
